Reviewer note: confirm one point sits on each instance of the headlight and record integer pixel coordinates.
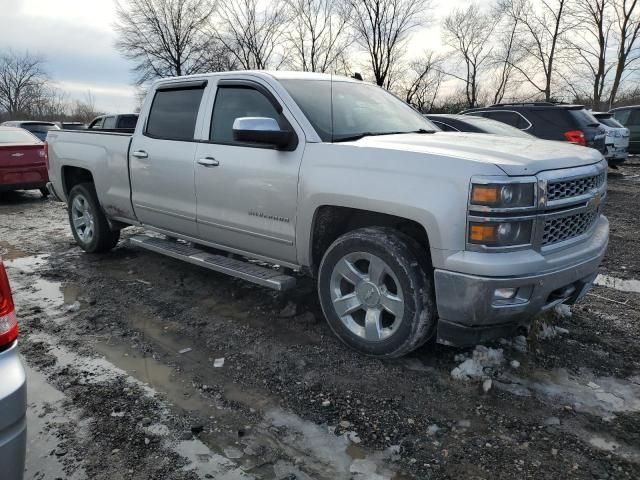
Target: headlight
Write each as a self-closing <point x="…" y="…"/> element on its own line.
<point x="509" y="195"/>
<point x="500" y="233"/>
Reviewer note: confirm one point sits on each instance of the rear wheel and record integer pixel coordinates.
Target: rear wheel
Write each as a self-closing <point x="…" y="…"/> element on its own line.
<point x="376" y="292"/>
<point x="88" y="222"/>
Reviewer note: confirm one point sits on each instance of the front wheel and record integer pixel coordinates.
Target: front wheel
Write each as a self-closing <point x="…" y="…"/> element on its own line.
<point x="376" y="292"/>
<point x="88" y="222"/>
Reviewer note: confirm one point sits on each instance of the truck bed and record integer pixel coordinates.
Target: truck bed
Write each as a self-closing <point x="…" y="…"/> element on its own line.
<point x="102" y="153"/>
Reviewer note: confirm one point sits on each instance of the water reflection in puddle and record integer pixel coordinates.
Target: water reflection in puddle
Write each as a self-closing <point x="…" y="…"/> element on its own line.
<point x="30" y="289"/>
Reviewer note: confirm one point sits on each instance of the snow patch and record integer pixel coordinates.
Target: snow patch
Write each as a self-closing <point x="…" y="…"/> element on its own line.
<point x="631" y="286"/>
<point x="563" y="311"/>
<point x="326" y="452"/>
<point x="475" y="367"/>
<point x="601" y="396"/>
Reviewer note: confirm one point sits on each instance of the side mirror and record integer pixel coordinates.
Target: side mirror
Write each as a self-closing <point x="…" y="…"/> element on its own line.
<point x="262" y="130"/>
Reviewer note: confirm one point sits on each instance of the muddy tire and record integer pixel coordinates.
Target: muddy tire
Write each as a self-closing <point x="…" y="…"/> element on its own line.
<point x="88" y="222"/>
<point x="376" y="290"/>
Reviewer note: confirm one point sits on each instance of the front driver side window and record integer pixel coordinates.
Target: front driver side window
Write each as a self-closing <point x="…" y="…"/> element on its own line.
<point x="235" y="102"/>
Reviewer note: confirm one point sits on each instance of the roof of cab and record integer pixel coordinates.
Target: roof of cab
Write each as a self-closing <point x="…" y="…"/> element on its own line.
<point x="276" y="74"/>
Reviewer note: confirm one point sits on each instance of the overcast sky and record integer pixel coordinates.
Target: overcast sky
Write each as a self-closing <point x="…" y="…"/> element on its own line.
<point x="77" y="40"/>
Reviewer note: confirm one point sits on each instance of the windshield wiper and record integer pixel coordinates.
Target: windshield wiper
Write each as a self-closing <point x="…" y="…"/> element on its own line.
<point x="351" y="138"/>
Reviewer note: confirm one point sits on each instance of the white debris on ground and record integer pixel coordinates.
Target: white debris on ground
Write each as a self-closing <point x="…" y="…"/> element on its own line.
<point x="518" y="343"/>
<point x="550" y="331"/>
<point x="547" y="330"/>
<point x="563" y="311"/>
<point x="474" y="368"/>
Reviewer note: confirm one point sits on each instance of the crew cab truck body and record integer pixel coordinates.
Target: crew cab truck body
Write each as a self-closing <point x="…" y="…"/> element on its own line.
<point x="410" y="233"/>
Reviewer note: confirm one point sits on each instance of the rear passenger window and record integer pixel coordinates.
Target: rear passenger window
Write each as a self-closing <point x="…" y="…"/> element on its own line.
<point x="510" y="118"/>
<point x="127" y="121"/>
<point x="110" y="122"/>
<point x="238" y="102"/>
<point x="174" y="113"/>
<point x="556" y="120"/>
<point x="634" y="118"/>
<point x="622" y="116"/>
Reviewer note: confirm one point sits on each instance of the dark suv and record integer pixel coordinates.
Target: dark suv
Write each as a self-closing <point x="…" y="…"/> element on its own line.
<point x="551" y="121"/>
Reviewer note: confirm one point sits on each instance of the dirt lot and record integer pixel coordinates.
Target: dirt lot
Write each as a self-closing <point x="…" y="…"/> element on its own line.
<point x="126" y="379"/>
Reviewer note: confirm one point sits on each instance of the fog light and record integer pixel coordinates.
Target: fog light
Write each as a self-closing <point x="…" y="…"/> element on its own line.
<point x="504" y="293"/>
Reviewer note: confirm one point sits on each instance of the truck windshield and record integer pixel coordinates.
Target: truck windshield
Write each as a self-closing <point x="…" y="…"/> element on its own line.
<point x="359" y="110"/>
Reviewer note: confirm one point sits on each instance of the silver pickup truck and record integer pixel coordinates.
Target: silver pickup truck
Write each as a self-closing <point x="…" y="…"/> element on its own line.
<point x="410" y="233"/>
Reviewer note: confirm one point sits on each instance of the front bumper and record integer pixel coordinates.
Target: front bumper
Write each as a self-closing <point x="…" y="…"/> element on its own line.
<point x="469" y="314"/>
<point x="13" y="407"/>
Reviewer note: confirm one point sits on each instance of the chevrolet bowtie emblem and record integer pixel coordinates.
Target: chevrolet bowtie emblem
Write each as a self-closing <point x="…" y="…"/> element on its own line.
<point x="594" y="203"/>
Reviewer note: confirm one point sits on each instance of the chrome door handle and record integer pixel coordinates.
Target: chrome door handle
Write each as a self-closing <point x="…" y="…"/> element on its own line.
<point x="208" y="162"/>
<point x="140" y="154"/>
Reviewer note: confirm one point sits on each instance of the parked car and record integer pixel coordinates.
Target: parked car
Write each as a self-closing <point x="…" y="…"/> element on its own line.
<point x="13" y="389"/>
<point x="39" y="129"/>
<point x="617" y="138"/>
<point x="72" y="125"/>
<point x="551" y="121"/>
<point x="23" y="161"/>
<point x="630" y="118"/>
<point x="115" y="122"/>
<point x="471" y="123"/>
<point x="410" y="234"/>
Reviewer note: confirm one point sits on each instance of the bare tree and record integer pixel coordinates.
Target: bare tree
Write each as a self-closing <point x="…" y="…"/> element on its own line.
<point x="627" y="25"/>
<point x="84" y="110"/>
<point x="469" y="32"/>
<point x="424" y="82"/>
<point x="507" y="51"/>
<point x="590" y="44"/>
<point x="52" y="104"/>
<point x="252" y="33"/>
<point x="167" y="37"/>
<point x="543" y="31"/>
<point x="381" y="28"/>
<point x="317" y="34"/>
<point x="23" y="82"/>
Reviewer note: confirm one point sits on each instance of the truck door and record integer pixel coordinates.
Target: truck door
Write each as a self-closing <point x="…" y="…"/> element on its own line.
<point x="162" y="159"/>
<point x="247" y="194"/>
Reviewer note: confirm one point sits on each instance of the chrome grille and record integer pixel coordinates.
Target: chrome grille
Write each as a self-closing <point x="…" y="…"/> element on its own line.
<point x="564" y="228"/>
<point x="574" y="188"/>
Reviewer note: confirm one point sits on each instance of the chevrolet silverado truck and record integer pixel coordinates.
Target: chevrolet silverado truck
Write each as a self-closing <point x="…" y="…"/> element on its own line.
<point x="410" y="233"/>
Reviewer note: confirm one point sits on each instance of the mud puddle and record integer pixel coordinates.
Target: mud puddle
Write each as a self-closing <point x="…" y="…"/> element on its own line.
<point x="308" y="447"/>
<point x="45" y="414"/>
<point x="230" y="445"/>
<point x="53" y="297"/>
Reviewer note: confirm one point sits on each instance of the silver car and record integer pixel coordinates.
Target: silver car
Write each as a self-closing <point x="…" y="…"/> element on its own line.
<point x="13" y="389"/>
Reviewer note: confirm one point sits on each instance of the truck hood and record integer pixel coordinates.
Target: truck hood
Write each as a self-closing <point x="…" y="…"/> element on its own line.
<point x="514" y="155"/>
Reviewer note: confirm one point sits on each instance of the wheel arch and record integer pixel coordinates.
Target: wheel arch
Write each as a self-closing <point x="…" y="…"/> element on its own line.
<point x="72" y="176"/>
<point x="332" y="221"/>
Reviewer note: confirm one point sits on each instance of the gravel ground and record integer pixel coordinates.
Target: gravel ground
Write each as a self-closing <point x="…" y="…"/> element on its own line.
<point x="124" y="352"/>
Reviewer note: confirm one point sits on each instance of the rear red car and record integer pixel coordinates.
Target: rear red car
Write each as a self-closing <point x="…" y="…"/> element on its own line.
<point x="23" y="161"/>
